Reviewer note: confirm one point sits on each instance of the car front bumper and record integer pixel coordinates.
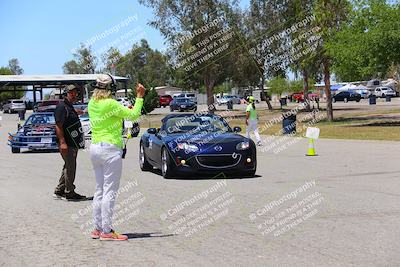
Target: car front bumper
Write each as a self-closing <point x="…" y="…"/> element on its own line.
<point x="232" y="163"/>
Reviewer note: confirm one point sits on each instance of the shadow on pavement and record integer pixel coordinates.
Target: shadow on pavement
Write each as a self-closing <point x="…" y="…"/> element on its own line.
<point x="39" y="151"/>
<point x="219" y="176"/>
<point x="146" y="235"/>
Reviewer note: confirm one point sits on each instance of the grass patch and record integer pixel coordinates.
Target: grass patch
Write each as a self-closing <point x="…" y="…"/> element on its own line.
<point x="381" y="125"/>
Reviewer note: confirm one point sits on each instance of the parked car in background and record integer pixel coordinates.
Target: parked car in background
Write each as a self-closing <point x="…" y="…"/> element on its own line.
<point x="182" y="104"/>
<point x="346" y="96"/>
<point x="37" y="133"/>
<point x="14" y="105"/>
<point x="364" y="93"/>
<point x="224" y="99"/>
<point x="384" y="91"/>
<point x="165" y="100"/>
<point x="124" y="101"/>
<point x="48" y="105"/>
<point x="191" y="96"/>
<point x="299" y="97"/>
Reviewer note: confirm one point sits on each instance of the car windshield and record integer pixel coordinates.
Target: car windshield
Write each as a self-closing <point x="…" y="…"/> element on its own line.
<point x="196" y="124"/>
<point x="181" y="100"/>
<point x="18" y="101"/>
<point x="37" y="119"/>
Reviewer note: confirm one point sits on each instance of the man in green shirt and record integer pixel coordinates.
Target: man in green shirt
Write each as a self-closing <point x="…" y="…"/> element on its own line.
<point x="106" y="116"/>
<point x="252" y="120"/>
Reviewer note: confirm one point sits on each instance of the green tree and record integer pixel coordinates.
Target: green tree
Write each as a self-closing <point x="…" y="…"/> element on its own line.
<point x="308" y="65"/>
<point x="145" y="65"/>
<point x="84" y="62"/>
<point x="111" y="59"/>
<point x="331" y="15"/>
<point x="13" y="65"/>
<point x="279" y="85"/>
<point x="178" y="19"/>
<point x="4" y="96"/>
<point x="150" y="102"/>
<point x="368" y="46"/>
<point x="261" y="22"/>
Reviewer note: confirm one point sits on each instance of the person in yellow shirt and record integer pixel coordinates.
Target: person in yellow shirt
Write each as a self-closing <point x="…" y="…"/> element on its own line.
<point x="106" y="116"/>
<point x="252" y="120"/>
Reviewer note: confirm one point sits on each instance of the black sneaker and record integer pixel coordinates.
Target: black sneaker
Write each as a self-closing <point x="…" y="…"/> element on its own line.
<point x="58" y="195"/>
<point x="74" y="197"/>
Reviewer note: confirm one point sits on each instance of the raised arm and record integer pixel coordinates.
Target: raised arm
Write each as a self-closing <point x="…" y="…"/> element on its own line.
<point x="133" y="114"/>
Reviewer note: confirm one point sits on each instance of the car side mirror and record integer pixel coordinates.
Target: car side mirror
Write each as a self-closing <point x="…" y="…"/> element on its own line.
<point x="152" y="130"/>
<point x="19" y="126"/>
<point x="237" y="129"/>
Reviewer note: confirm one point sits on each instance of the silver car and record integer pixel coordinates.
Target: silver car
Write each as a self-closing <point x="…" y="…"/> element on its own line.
<point x="14" y="105"/>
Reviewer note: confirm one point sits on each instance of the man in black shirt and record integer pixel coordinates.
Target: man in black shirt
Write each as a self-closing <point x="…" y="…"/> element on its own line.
<point x="70" y="139"/>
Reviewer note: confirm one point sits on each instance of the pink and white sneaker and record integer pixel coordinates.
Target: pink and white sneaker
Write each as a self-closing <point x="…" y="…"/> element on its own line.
<point x="95" y="234"/>
<point x="113" y="236"/>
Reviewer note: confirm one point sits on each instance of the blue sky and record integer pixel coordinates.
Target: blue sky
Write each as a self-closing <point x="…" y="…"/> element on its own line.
<point x="42" y="33"/>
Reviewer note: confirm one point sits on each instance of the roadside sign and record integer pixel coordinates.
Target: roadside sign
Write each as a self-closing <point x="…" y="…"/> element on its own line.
<point x="312" y="132"/>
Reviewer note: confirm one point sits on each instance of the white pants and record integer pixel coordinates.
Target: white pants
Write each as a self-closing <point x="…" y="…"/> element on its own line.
<point x="107" y="165"/>
<point x="252" y="127"/>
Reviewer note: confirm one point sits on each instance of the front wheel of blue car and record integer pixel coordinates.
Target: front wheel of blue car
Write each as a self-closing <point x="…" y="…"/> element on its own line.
<point x="166" y="164"/>
<point x="15" y="150"/>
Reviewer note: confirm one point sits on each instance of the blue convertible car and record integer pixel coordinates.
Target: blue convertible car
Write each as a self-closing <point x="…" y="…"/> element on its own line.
<point x="197" y="144"/>
<point x="38" y="132"/>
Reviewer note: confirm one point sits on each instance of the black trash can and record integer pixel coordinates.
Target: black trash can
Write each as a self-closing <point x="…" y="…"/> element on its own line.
<point x="289" y="124"/>
<point x="388" y="98"/>
<point x="230" y="104"/>
<point x="21" y="114"/>
<point x="372" y="99"/>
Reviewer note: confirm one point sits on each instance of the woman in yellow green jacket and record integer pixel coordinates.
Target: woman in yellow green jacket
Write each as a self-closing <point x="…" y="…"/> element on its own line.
<point x="106" y="116"/>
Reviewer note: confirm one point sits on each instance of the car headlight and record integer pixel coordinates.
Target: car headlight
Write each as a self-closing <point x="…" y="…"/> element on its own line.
<point x="243" y="145"/>
<point x="188" y="147"/>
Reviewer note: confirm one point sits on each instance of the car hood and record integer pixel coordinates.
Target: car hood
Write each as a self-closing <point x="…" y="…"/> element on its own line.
<point x="211" y="138"/>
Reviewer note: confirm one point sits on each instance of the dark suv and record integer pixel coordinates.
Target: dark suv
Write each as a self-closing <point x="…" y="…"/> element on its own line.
<point x="346" y="96"/>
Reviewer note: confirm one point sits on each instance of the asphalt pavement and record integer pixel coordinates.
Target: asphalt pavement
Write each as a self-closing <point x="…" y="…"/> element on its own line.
<point x="340" y="208"/>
